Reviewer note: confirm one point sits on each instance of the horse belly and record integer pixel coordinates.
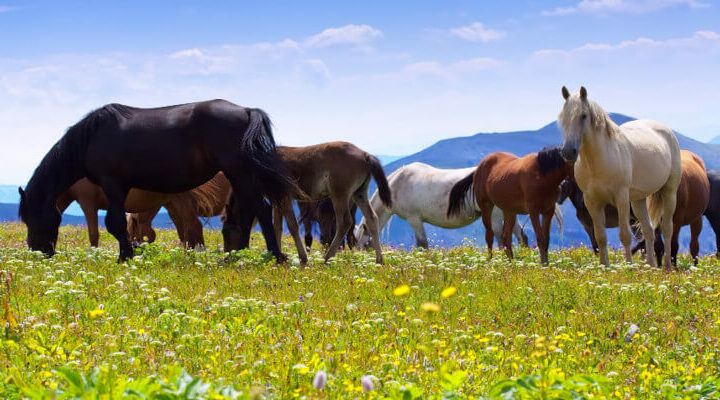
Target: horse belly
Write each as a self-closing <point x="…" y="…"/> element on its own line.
<point x="139" y="200"/>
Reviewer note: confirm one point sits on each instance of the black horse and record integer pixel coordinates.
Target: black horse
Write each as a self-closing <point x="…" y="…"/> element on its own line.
<point x="712" y="212"/>
<point x="170" y="149"/>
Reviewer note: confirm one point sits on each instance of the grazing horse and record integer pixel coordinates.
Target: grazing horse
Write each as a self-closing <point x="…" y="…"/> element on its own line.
<point x="168" y="150"/>
<point x="712" y="213"/>
<point x="185" y="209"/>
<point x="516" y="185"/>
<point x="338" y="170"/>
<point x="636" y="163"/>
<point x="420" y="195"/>
<point x="322" y="213"/>
<point x="693" y="195"/>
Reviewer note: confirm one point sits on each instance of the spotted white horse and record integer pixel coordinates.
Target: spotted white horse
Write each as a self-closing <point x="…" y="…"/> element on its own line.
<point x="420" y="195"/>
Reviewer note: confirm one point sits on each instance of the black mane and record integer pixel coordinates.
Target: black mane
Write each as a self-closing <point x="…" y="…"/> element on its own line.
<point x="550" y="159"/>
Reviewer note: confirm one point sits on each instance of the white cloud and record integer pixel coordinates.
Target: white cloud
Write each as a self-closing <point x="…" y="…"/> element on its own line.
<point x="698" y="39"/>
<point x="623" y="6"/>
<point x="346" y="35"/>
<point x="477" y="32"/>
<point x="4" y="9"/>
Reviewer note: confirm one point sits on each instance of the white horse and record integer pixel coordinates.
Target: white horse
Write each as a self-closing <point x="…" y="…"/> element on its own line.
<point x="635" y="163"/>
<point x="420" y="194"/>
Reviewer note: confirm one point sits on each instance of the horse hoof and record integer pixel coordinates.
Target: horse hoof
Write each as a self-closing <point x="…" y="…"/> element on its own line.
<point x="281" y="258"/>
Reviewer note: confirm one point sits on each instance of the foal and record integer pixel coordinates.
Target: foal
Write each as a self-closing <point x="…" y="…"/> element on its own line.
<point x="338" y="170"/>
<point x="516" y="185"/>
<point x="322" y="213"/>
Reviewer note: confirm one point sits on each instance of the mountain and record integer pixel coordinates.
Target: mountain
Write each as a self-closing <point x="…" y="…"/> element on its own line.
<point x="467" y="151"/>
<point x="715" y="140"/>
<point x="386" y="159"/>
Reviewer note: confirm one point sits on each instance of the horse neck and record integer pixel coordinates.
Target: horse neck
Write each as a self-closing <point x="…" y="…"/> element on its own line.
<point x="60" y="168"/>
<point x="596" y="146"/>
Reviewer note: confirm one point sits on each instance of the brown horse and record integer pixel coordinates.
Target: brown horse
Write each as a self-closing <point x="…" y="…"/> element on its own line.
<point x="340" y="171"/>
<point x="516" y="185"/>
<point x="182" y="207"/>
<point x="185" y="209"/>
<point x="693" y="196"/>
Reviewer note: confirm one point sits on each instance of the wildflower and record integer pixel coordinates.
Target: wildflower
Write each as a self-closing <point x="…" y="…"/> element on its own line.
<point x="367" y="383"/>
<point x="320" y="380"/>
<point x="401" y="290"/>
<point x="96" y="313"/>
<point x="448" y="291"/>
<point x="430" y="307"/>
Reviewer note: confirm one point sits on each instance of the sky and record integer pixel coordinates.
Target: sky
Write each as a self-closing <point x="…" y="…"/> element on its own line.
<point x="393" y="77"/>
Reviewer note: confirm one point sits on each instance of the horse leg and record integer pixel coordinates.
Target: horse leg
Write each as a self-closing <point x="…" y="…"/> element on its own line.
<point x="486" y="214"/>
<point x="278" y="211"/>
<point x="350" y="237"/>
<point x="597" y="214"/>
<point x="115" y="220"/>
<point x="519" y="234"/>
<point x="508" y="224"/>
<point x="362" y="201"/>
<point x="674" y="244"/>
<point x="92" y="223"/>
<point x="639" y="208"/>
<point x="537" y="228"/>
<point x="342" y="224"/>
<point x="659" y="247"/>
<point x="420" y="237"/>
<point x="286" y="208"/>
<point x="715" y="225"/>
<point x="178" y="220"/>
<point x="695" y="228"/>
<point x="591" y="235"/>
<point x="543" y="247"/>
<point x="622" y="203"/>
<point x="669" y="200"/>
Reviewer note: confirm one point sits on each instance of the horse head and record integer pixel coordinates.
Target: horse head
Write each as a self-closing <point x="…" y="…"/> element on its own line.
<point x="43" y="221"/>
<point x="575" y="122"/>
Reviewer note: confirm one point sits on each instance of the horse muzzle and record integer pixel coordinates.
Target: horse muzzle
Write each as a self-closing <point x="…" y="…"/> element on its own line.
<point x="569" y="153"/>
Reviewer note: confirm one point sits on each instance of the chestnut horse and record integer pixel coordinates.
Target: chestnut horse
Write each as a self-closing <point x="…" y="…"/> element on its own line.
<point x="693" y="195"/>
<point x="169" y="150"/>
<point x="338" y="170"/>
<point x="516" y="185"/>
<point x="183" y="208"/>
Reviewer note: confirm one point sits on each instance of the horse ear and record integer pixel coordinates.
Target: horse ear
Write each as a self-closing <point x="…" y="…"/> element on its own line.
<point x="565" y="93"/>
<point x="22" y="193"/>
<point x="583" y="93"/>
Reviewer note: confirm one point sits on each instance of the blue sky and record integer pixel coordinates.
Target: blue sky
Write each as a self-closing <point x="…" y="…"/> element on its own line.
<point x="392" y="77"/>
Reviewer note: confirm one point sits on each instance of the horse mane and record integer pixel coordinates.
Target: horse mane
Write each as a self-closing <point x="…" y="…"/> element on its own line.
<point x="62" y="165"/>
<point x="598" y="117"/>
<point x="550" y="159"/>
<point x="211" y="197"/>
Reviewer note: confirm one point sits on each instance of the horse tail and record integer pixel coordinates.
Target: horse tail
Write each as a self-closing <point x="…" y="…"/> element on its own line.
<point x="457" y="195"/>
<point x="377" y="172"/>
<point x="655" y="208"/>
<point x="258" y="146"/>
<point x="559" y="218"/>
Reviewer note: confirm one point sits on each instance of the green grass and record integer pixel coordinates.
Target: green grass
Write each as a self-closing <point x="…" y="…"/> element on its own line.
<point x="79" y="325"/>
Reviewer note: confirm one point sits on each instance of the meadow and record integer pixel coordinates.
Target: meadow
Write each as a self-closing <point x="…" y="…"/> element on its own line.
<point x="438" y="324"/>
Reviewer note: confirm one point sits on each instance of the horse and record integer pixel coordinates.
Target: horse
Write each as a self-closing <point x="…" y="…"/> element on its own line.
<point x="712" y="212"/>
<point x="322" y="213"/>
<point x="516" y="185"/>
<point x="693" y="196"/>
<point x="636" y="163"/>
<point x="340" y="171"/>
<point x="420" y="196"/>
<point x="168" y="150"/>
<point x="184" y="209"/>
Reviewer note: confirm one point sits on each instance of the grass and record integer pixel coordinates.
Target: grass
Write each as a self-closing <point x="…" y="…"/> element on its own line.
<point x="183" y="324"/>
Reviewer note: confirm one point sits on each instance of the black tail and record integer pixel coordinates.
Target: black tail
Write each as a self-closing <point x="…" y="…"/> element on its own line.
<point x="376" y="170"/>
<point x="258" y="145"/>
<point x="457" y="195"/>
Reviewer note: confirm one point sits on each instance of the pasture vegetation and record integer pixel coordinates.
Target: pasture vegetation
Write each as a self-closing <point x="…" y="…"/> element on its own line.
<point x="430" y="324"/>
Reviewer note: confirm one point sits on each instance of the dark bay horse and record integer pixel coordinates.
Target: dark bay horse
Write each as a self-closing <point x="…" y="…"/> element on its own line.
<point x="168" y="150"/>
<point x="322" y="214"/>
<point x="516" y="185"/>
<point x="712" y="213"/>
<point x="342" y="172"/>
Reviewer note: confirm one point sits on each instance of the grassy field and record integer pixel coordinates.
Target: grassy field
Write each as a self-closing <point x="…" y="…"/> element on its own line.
<point x="430" y="324"/>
